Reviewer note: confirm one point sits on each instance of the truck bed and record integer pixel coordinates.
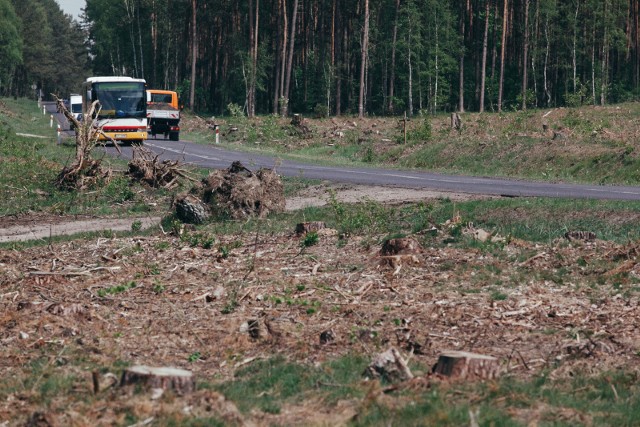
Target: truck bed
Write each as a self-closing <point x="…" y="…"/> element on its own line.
<point x="162" y="111"/>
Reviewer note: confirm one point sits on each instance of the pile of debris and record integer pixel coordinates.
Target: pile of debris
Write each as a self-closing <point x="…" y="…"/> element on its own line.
<point x="235" y="193"/>
<point x="145" y="167"/>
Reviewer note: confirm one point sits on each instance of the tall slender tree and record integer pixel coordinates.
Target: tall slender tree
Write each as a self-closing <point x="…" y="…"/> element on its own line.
<point x="502" y="53"/>
<point x="194" y="53"/>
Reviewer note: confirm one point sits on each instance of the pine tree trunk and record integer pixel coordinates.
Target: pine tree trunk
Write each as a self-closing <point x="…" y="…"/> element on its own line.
<point x="437" y="70"/>
<point x="524" y="54"/>
<point x="534" y="49"/>
<point x="502" y="54"/>
<point x="593" y="67"/>
<point x="277" y="63"/>
<point x="574" y="61"/>
<point x="604" y="63"/>
<point x="363" y="58"/>
<point x="394" y="40"/>
<point x="154" y="41"/>
<point x="494" y="44"/>
<point x="485" y="40"/>
<point x="410" y="100"/>
<point x="140" y="42"/>
<point x="547" y="93"/>
<point x="461" y="65"/>
<point x="128" y="4"/>
<point x="283" y="64"/>
<point x="290" y="58"/>
<point x="194" y="52"/>
<point x="253" y="75"/>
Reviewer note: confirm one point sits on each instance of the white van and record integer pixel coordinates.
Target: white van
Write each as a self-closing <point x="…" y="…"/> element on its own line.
<point x="75" y="105"/>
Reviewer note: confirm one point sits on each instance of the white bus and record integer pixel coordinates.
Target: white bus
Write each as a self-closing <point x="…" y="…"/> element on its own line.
<point x="122" y="107"/>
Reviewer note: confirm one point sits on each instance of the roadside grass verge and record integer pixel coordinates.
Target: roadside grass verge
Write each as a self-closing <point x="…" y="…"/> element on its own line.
<point x="532" y="219"/>
<point x="586" y="144"/>
<point x="29" y="166"/>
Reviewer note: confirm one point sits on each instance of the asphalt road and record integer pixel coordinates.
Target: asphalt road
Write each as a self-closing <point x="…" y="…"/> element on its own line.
<point x="216" y="157"/>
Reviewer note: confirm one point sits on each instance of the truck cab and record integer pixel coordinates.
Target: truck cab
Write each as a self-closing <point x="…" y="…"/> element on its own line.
<point x="163" y="113"/>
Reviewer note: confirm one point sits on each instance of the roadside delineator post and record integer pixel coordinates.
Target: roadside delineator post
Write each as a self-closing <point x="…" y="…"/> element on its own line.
<point x="216" y="128"/>
<point x="59" y="130"/>
<point x="51" y="121"/>
<point x="44" y="110"/>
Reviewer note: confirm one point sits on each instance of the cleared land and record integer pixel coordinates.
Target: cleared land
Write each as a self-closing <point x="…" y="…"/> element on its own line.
<point x="243" y="306"/>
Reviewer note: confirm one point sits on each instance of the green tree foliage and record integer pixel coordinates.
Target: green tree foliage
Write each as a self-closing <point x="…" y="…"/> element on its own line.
<point x="44" y="49"/>
<point x="579" y="51"/>
<point x="10" y="43"/>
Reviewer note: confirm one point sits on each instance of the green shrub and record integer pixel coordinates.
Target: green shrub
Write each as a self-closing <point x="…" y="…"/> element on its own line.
<point x="320" y="111"/>
<point x="422" y="132"/>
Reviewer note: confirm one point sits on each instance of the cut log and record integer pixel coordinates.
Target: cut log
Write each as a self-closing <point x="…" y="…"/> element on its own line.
<point x="464" y="365"/>
<point x="390" y="366"/>
<point x="178" y="380"/>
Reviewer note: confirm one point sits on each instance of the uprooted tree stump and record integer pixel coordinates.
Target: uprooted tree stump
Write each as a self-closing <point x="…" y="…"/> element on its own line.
<point x="146" y="167"/>
<point x="85" y="172"/>
<point x="390" y="366"/>
<point x="465" y="365"/>
<point x="180" y="381"/>
<point x="191" y="210"/>
<point x="239" y="193"/>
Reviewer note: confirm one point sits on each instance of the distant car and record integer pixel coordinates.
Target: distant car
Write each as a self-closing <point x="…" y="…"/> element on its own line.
<point x="76" y="106"/>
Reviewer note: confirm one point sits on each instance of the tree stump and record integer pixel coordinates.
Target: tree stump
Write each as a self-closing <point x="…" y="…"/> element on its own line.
<point x="191" y="210"/>
<point x="456" y="121"/>
<point x="401" y="246"/>
<point x="308" y="227"/>
<point x="389" y="365"/>
<point x="586" y="236"/>
<point x="179" y="381"/>
<point x="464" y="365"/>
<point x="298" y="122"/>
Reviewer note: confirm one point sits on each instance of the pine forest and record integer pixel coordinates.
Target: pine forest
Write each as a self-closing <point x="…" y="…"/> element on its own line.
<point x="333" y="57"/>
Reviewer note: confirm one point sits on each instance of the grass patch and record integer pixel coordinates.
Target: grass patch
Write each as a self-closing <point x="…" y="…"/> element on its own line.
<point x="607" y="399"/>
<point x="269" y="384"/>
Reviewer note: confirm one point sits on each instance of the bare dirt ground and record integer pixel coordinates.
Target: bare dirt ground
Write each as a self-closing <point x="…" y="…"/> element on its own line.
<point x="86" y="306"/>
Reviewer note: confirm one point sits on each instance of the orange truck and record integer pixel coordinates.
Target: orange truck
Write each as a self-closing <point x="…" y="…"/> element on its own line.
<point x="163" y="114"/>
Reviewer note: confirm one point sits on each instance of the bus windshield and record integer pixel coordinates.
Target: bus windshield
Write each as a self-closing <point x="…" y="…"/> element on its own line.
<point x="121" y="99"/>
